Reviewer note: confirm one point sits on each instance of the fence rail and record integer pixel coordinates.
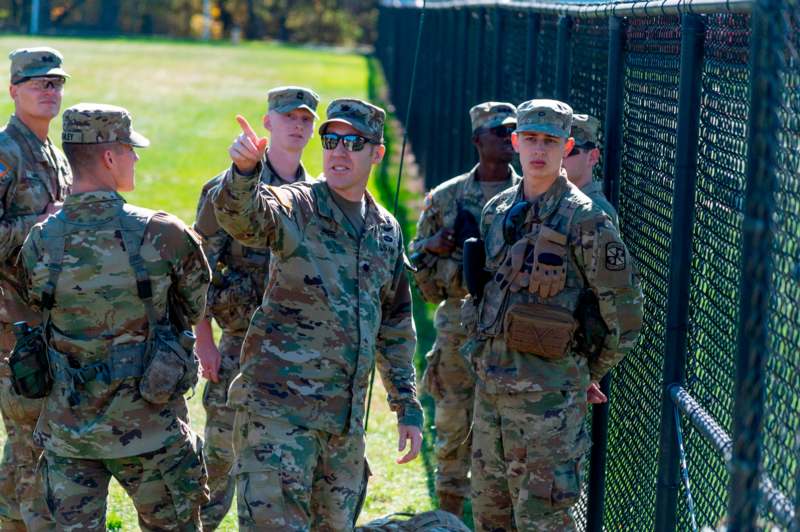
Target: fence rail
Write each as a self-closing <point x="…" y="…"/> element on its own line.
<point x="700" y="103"/>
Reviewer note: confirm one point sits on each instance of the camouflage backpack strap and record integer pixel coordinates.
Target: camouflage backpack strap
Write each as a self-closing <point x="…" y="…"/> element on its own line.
<point x="53" y="234"/>
<point x="133" y="224"/>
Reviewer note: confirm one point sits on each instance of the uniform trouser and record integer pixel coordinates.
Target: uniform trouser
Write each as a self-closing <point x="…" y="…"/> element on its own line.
<point x="293" y="479"/>
<point x="527" y="459"/>
<point x="167" y="487"/>
<point x="22" y="503"/>
<point x="218" y="448"/>
<point x="450" y="381"/>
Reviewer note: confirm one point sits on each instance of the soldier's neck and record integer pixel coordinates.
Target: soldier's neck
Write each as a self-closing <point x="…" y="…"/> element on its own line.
<point x="535" y="187"/>
<point x="581" y="181"/>
<point x="284" y="163"/>
<point x="39" y="126"/>
<point x="492" y="171"/>
<point x="88" y="181"/>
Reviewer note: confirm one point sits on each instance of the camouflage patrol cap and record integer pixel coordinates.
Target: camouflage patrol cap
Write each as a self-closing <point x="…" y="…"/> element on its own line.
<point x="97" y="123"/>
<point x="368" y="119"/>
<point x="287" y="99"/>
<point x="491" y="114"/>
<point x="35" y="63"/>
<point x="584" y="130"/>
<point x="550" y="117"/>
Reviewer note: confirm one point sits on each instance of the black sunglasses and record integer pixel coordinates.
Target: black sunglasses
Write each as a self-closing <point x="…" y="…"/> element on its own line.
<point x="502" y="132"/>
<point x="351" y="142"/>
<point x="580" y="149"/>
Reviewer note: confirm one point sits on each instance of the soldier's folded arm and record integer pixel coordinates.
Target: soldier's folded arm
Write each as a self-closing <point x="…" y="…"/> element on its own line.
<point x="612" y="275"/>
<point x="427" y="226"/>
<point x="396" y="344"/>
<point x="253" y="213"/>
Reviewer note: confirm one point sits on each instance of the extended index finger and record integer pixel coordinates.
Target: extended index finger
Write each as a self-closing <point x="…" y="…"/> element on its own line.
<point x="247" y="129"/>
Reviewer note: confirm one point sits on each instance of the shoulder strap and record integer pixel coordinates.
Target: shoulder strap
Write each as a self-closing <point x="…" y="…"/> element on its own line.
<point x="133" y="224"/>
<point x="53" y="242"/>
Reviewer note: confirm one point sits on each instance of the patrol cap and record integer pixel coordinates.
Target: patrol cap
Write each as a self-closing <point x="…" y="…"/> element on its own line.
<point x="35" y="62"/>
<point x="97" y="123"/>
<point x="550" y="117"/>
<point x="492" y="114"/>
<point x="287" y="99"/>
<point x="584" y="130"/>
<point x="368" y="119"/>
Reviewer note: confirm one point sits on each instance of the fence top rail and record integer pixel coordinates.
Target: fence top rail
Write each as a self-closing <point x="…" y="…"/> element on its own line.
<point x="622" y="8"/>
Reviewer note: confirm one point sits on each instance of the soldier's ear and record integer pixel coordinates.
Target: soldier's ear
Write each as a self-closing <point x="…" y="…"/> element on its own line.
<point x="568" y="146"/>
<point x="594" y="156"/>
<point x="515" y="141"/>
<point x="377" y="153"/>
<point x="267" y="123"/>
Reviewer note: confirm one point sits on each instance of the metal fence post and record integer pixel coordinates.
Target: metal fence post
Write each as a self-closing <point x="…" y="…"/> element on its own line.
<point x="497" y="85"/>
<point x="767" y="46"/>
<point x="612" y="163"/>
<point x="675" y="342"/>
<point x="531" y="45"/>
<point x="563" y="57"/>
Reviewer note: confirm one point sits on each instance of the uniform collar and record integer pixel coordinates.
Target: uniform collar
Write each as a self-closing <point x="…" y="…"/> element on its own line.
<point x="94" y="206"/>
<point x="547" y="204"/>
<point x="270" y="177"/>
<point x="37" y="147"/>
<point x="327" y="208"/>
<point x="593" y="187"/>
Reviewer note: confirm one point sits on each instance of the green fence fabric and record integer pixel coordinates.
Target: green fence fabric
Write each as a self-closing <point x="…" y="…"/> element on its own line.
<point x="477" y="51"/>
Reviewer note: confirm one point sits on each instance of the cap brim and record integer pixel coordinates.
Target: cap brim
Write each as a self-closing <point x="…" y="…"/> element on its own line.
<point x="547" y="130"/>
<point x="289" y="107"/>
<point x="358" y="126"/>
<point x="138" y="140"/>
<point x="42" y="72"/>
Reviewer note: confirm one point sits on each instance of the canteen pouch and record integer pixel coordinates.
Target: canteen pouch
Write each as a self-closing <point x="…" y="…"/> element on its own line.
<point x="542" y="330"/>
<point x="172" y="368"/>
<point x="30" y="369"/>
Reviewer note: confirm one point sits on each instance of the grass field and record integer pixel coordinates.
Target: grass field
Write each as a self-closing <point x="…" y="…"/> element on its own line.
<point x="184" y="97"/>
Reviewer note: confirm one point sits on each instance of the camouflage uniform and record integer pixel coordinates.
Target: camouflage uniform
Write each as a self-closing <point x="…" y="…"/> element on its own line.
<point x="96" y="427"/>
<point x="528" y="434"/>
<point x="336" y="302"/>
<point x="33" y="174"/>
<point x="239" y="278"/>
<point x="448" y="377"/>
<point x="584" y="131"/>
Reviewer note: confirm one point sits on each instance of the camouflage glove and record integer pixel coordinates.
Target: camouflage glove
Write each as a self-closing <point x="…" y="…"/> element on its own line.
<point x="549" y="273"/>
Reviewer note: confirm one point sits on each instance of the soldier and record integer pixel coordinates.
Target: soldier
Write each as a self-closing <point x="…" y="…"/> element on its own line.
<point x="116" y="284"/>
<point x="337" y="302"/>
<point x="545" y="244"/>
<point x="580" y="163"/>
<point x="449" y="217"/>
<point x="239" y="277"/>
<point x="34" y="179"/>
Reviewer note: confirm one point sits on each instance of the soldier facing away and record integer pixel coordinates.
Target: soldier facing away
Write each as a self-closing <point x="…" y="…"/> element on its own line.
<point x="545" y="244"/>
<point x="449" y="217"/>
<point x="239" y="277"/>
<point x="118" y="286"/>
<point x="34" y="179"/>
<point x="337" y="302"/>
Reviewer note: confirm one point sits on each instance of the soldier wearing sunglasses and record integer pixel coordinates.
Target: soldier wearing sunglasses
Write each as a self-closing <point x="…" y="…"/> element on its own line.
<point x="546" y="244"/>
<point x="240" y="274"/>
<point x="337" y="302"/>
<point x="35" y="178"/>
<point x="580" y="162"/>
<point x="450" y="216"/>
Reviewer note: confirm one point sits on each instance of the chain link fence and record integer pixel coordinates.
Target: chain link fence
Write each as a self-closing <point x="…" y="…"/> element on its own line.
<point x="700" y="103"/>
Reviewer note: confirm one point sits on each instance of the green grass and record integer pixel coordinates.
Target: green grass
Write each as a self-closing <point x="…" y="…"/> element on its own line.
<point x="184" y="97"/>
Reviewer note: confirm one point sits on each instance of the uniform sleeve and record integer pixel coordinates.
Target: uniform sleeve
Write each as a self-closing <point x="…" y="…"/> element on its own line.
<point x="29" y="258"/>
<point x="214" y="238"/>
<point x="13" y="230"/>
<point x="397" y="343"/>
<point x="612" y="276"/>
<point x="255" y="214"/>
<point x="430" y="221"/>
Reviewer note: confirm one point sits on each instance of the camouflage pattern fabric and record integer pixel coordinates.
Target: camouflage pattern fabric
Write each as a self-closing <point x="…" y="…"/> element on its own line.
<point x="363" y="116"/>
<point x="434" y="521"/>
<point x="240" y="276"/>
<point x="97" y="307"/>
<point x="167" y="486"/>
<point x="448" y="377"/>
<point x="294" y="478"/>
<point x="287" y="99"/>
<point x="487" y="115"/>
<point x="527" y="459"/>
<point x="32" y="175"/>
<point x="35" y="62"/>
<point x="335" y="304"/>
<point x="551" y="117"/>
<point x="96" y="123"/>
<point x="514" y="385"/>
<point x="585" y="130"/>
<point x="595" y="192"/>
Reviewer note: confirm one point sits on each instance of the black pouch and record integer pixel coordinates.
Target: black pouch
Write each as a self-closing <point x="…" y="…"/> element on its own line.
<point x="172" y="367"/>
<point x="30" y="369"/>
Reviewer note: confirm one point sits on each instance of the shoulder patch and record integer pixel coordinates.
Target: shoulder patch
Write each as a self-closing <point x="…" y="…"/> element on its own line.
<point x="616" y="259"/>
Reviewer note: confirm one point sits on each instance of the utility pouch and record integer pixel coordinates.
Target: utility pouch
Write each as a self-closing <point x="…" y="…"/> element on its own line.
<point x="30" y="370"/>
<point x="475" y="274"/>
<point x="542" y="330"/>
<point x="172" y="366"/>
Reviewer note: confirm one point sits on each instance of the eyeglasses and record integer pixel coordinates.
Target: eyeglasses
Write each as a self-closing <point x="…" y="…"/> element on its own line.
<point x="351" y="142"/>
<point x="577" y="150"/>
<point x="502" y="132"/>
<point x="45" y="84"/>
<point x="515" y="218"/>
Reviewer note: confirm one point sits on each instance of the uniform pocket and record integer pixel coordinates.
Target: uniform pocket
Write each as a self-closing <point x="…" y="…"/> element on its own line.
<point x="185" y="476"/>
<point x="551" y="485"/>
